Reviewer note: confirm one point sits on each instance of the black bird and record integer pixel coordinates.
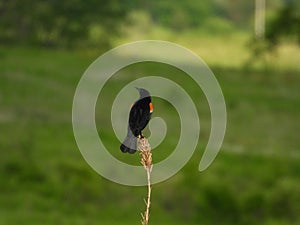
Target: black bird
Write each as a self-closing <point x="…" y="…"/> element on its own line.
<point x="139" y="117"/>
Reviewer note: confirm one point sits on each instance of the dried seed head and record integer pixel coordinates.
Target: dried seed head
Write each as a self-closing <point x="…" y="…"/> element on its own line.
<point x="146" y="154"/>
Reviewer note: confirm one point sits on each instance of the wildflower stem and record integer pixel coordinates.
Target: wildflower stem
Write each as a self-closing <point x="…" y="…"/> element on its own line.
<point x="146" y="161"/>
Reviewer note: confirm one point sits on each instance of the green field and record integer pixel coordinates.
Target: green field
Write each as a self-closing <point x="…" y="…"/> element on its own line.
<point x="254" y="180"/>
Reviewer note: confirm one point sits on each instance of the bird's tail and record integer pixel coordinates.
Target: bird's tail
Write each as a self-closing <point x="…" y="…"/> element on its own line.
<point x="129" y="144"/>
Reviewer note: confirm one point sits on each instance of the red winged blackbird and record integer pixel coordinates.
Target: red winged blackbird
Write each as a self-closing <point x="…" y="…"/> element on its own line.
<point x="139" y="117"/>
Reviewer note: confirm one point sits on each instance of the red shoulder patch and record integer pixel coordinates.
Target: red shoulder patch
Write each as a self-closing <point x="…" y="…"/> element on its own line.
<point x="151" y="107"/>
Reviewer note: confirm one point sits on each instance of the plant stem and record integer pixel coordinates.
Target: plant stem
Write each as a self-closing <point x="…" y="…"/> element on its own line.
<point x="146" y="161"/>
<point x="148" y="197"/>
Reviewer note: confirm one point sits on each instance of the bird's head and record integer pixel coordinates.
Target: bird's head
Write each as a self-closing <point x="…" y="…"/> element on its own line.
<point x="143" y="92"/>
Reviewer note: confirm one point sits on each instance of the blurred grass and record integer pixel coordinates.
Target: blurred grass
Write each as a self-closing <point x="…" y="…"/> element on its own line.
<point x="254" y="180"/>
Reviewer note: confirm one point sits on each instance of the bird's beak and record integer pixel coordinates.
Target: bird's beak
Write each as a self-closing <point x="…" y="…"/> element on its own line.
<point x="137" y="88"/>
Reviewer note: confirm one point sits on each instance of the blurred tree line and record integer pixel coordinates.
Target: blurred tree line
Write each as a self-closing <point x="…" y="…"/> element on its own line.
<point x="69" y="23"/>
<point x="59" y="22"/>
<point x="283" y="26"/>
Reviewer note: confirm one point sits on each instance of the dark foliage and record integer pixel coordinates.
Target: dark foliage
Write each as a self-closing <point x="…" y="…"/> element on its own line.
<point x="286" y="24"/>
<point x="58" y="23"/>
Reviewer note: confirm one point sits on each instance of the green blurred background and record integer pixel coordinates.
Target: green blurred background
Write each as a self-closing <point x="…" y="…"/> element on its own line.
<point x="45" y="47"/>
